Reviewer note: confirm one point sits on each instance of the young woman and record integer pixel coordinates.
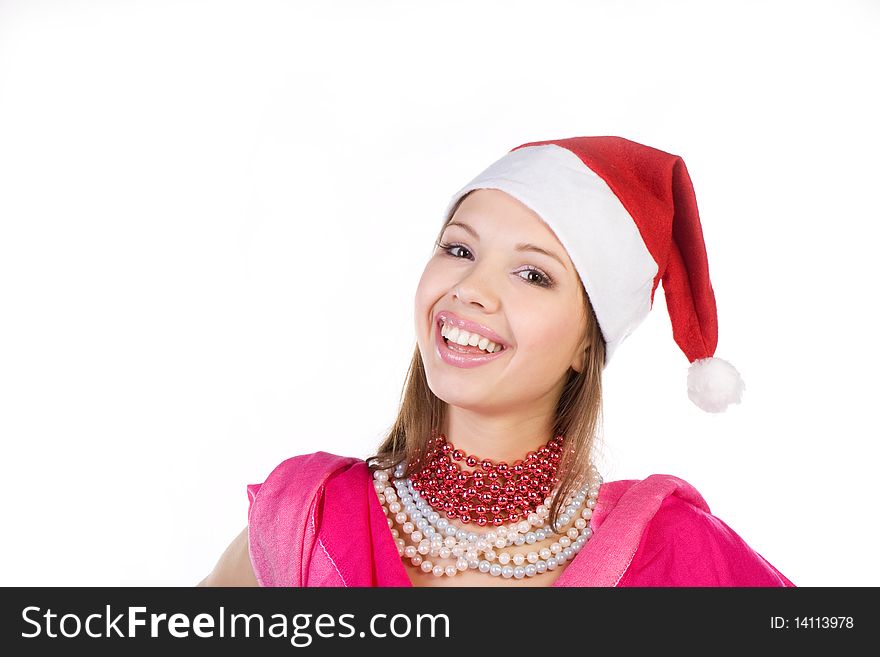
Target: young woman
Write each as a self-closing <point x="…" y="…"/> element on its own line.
<point x="545" y="263"/>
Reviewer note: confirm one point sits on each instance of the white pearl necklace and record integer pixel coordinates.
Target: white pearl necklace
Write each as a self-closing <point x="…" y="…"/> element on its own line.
<point x="436" y="537"/>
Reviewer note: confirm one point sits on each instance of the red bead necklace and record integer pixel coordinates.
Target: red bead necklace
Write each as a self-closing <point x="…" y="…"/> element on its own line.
<point x="491" y="493"/>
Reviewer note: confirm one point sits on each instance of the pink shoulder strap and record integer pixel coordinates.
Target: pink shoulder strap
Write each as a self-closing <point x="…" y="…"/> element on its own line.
<point x="281" y="534"/>
<point x="607" y="555"/>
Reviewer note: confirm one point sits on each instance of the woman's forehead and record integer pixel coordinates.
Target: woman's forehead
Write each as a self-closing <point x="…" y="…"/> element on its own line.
<point x="494" y="215"/>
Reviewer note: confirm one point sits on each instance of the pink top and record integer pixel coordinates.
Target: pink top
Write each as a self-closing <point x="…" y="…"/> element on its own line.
<point x="316" y="521"/>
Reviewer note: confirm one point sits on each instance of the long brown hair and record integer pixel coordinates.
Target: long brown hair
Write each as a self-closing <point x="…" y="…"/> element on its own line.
<point x="578" y="414"/>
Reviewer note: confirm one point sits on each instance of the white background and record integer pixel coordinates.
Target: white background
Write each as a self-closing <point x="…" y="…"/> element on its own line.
<point x="214" y="216"/>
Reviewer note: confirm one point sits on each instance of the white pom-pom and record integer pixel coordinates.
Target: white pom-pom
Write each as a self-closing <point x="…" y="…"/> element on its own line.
<point x="713" y="384"/>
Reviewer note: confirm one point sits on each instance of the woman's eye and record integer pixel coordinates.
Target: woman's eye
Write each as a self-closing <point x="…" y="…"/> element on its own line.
<point x="449" y="247"/>
<point x="543" y="279"/>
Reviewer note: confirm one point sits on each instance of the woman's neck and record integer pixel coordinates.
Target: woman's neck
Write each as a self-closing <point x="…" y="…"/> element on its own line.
<point x="496" y="439"/>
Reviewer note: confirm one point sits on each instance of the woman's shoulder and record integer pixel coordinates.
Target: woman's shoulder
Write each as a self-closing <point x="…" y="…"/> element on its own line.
<point x="281" y="513"/>
<point x="682" y="542"/>
<point x="302" y="472"/>
<point x="649" y="493"/>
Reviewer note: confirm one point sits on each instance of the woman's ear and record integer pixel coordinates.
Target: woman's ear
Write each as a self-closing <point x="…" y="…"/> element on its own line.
<point x="579" y="362"/>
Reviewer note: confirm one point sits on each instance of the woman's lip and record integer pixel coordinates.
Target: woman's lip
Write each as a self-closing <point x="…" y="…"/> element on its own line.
<point x="471" y="327"/>
<point x="458" y="359"/>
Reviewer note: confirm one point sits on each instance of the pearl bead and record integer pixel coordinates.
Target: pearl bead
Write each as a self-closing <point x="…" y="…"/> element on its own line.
<point x="427" y="566"/>
<point x="580" y="523"/>
<point x="444" y="552"/>
<point x="504" y="558"/>
<point x="507" y="572"/>
<point x="545" y="553"/>
<point x="461" y="564"/>
<point x="519" y="572"/>
<point x="531" y="570"/>
<point x="495" y="570"/>
<point x="484" y="566"/>
<point x="410" y="551"/>
<point x="438" y="571"/>
<point x="451" y="571"/>
<point x="519" y="559"/>
<point x="564" y="541"/>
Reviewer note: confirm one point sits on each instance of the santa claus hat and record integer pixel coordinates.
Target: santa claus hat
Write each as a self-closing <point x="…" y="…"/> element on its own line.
<point x="627" y="215"/>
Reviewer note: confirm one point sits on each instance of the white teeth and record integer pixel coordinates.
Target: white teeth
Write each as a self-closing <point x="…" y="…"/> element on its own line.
<point x="463" y="338"/>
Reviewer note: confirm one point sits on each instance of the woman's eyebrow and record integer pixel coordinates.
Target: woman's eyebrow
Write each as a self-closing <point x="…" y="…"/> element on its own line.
<point x="522" y="246"/>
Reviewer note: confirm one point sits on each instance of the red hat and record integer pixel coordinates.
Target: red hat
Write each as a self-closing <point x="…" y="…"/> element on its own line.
<point x="627" y="215"/>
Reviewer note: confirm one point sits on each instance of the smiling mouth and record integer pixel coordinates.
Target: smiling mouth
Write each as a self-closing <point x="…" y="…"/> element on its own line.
<point x="466" y="349"/>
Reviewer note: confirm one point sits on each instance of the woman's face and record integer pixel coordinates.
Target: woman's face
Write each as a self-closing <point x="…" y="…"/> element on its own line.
<point x="531" y="300"/>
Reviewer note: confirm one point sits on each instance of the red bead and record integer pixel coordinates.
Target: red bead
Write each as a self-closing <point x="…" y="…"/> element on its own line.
<point x="481" y="521"/>
<point x="471" y="461"/>
<point x="486" y="464"/>
<point x="457" y="454"/>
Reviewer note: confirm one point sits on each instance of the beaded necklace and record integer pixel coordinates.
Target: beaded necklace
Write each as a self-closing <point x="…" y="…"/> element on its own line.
<point x="436" y="545"/>
<point x="492" y="493"/>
